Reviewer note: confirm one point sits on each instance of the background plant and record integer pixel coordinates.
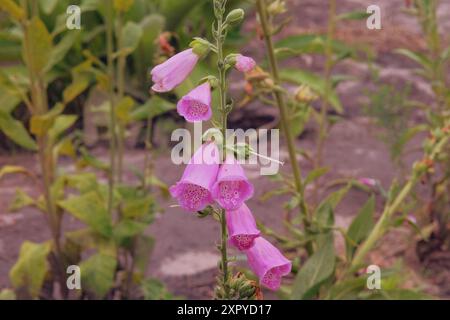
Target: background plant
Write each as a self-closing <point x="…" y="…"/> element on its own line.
<point x="116" y="214"/>
<point x="324" y="273"/>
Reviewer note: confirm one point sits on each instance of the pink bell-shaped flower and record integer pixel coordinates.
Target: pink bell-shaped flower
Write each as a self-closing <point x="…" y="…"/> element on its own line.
<point x="196" y="105"/>
<point x="268" y="263"/>
<point x="242" y="228"/>
<point x="193" y="191"/>
<point x="173" y="71"/>
<point x="232" y="187"/>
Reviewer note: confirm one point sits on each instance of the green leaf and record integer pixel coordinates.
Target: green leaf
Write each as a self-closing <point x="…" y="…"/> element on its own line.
<point x="31" y="268"/>
<point x="79" y="84"/>
<point x="336" y="197"/>
<point x="123" y="5"/>
<point x="97" y="274"/>
<point x="12" y="8"/>
<point x="126" y="229"/>
<point x="354" y="15"/>
<point x="153" y="289"/>
<point x="21" y="199"/>
<point x="39" y="47"/>
<point x="8" y="100"/>
<point x="153" y="25"/>
<point x="317" y="269"/>
<point x="82" y="182"/>
<point x="61" y="49"/>
<point x="309" y="44"/>
<point x="403" y="294"/>
<point x="143" y="250"/>
<point x="90" y="208"/>
<point x="324" y="215"/>
<point x="314" y="81"/>
<point x="88" y="239"/>
<point x="88" y="159"/>
<point x="40" y="124"/>
<point x="361" y="226"/>
<point x="123" y="109"/>
<point x="15" y="130"/>
<point x="137" y="207"/>
<point x="348" y="289"/>
<point x="61" y="124"/>
<point x="152" y="108"/>
<point x="47" y="6"/>
<point x="131" y="35"/>
<point x="14" y="169"/>
<point x="315" y="174"/>
<point x="162" y="186"/>
<point x="417" y="57"/>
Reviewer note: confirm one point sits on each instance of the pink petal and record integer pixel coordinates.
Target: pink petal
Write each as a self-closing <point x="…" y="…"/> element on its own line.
<point x="232" y="187"/>
<point x="268" y="263"/>
<point x="193" y="191"/>
<point x="242" y="228"/>
<point x="196" y="105"/>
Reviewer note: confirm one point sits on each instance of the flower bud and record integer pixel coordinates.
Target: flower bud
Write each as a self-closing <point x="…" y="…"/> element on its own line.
<point x="213" y="81"/>
<point x="234" y="17"/>
<point x="200" y="46"/>
<point x="420" y="167"/>
<point x="205" y="212"/>
<point x="276" y="7"/>
<point x="305" y="94"/>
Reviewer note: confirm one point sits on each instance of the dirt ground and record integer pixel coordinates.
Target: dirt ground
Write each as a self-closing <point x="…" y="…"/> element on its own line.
<point x="184" y="256"/>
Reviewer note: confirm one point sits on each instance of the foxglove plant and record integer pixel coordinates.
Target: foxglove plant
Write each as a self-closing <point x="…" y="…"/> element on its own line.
<point x="204" y="181"/>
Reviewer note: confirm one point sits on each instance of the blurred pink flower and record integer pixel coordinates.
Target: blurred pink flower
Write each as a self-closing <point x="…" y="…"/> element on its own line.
<point x="244" y="64"/>
<point x="411" y="218"/>
<point x="232" y="187"/>
<point x="268" y="263"/>
<point x="174" y="71"/>
<point x="242" y="228"/>
<point x="193" y="191"/>
<point x="196" y="105"/>
<point x="368" y="182"/>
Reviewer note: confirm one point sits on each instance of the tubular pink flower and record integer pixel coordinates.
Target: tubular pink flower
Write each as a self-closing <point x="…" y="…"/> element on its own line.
<point x="242" y="229"/>
<point x="174" y="71"/>
<point x="268" y="263"/>
<point x="196" y="105"/>
<point x="244" y="64"/>
<point x="193" y="191"/>
<point x="232" y="187"/>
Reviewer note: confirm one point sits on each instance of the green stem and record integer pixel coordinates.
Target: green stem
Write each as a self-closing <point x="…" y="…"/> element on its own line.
<point x="224" y="115"/>
<point x="323" y="122"/>
<point x="121" y="64"/>
<point x="112" y="113"/>
<point x="148" y="168"/>
<point x="39" y="103"/>
<point x="283" y="113"/>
